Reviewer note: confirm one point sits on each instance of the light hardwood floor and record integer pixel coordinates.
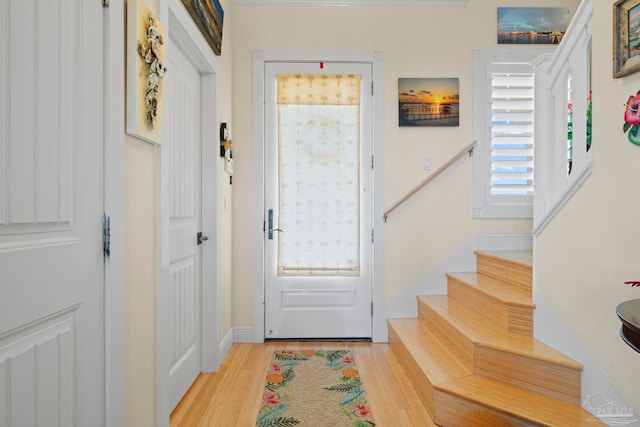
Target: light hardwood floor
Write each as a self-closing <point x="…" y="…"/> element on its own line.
<point x="232" y="396"/>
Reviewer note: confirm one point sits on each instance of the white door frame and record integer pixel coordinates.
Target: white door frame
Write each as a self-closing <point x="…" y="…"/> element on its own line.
<point x="187" y="36"/>
<point x="379" y="327"/>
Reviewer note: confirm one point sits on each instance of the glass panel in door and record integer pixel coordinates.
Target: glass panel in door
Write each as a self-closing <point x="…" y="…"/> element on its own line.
<point x="318" y="168"/>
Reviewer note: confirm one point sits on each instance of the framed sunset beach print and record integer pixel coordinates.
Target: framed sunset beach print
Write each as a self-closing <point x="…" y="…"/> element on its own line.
<point x="428" y="101"/>
<point x="626" y="37"/>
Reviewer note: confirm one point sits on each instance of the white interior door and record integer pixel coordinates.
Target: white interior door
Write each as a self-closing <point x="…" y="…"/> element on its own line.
<point x="183" y="141"/>
<point x="318" y="200"/>
<point x="51" y="205"/>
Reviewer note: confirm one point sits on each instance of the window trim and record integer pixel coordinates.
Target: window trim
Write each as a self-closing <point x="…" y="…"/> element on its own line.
<point x="484" y="204"/>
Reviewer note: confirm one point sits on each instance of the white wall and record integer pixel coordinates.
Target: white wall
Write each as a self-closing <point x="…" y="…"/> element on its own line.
<point x="591" y="247"/>
<point x="225" y="189"/>
<point x="416" y="42"/>
<point x="140" y="282"/>
<point x="140" y="276"/>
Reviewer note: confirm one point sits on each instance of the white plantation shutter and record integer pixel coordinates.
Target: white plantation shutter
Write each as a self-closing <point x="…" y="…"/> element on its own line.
<point x="503" y="126"/>
<point x="512" y="133"/>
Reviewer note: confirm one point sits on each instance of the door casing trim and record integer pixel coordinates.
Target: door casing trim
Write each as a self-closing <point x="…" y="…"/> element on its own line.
<point x="184" y="32"/>
<point x="260" y="57"/>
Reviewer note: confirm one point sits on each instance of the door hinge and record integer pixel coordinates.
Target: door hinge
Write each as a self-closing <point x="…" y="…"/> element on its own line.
<point x="371" y="87"/>
<point x="371" y="308"/>
<point x="372" y="161"/>
<point x="105" y="3"/>
<point x="372" y="235"/>
<point x="106" y="234"/>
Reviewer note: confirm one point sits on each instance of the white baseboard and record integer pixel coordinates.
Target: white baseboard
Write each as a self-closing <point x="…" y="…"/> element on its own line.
<point x="434" y="282"/>
<point x="225" y="345"/>
<point x="243" y="334"/>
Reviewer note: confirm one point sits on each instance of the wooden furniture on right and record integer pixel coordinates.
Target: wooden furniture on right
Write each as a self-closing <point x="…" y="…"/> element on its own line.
<point x="629" y="314"/>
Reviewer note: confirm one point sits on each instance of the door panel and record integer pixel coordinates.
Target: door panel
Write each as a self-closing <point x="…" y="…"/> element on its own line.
<point x="318" y="200"/>
<point x="183" y="119"/>
<point x="51" y="204"/>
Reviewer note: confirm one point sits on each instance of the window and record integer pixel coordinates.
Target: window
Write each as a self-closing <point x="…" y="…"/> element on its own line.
<point x="503" y="127"/>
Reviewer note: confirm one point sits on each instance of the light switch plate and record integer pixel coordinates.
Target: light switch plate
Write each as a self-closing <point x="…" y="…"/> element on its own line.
<point x="228" y="165"/>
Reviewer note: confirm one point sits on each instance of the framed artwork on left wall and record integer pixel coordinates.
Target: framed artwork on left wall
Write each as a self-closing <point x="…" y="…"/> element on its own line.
<point x="145" y="73"/>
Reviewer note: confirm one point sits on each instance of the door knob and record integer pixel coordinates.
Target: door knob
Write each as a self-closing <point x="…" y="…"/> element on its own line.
<point x="201" y="238"/>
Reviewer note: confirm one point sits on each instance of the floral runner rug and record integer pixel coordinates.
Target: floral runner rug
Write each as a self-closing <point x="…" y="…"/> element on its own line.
<point x="314" y="388"/>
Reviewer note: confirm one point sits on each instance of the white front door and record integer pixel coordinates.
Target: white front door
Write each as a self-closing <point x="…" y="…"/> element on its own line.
<point x="318" y="200"/>
<point x="51" y="205"/>
<point x="183" y="142"/>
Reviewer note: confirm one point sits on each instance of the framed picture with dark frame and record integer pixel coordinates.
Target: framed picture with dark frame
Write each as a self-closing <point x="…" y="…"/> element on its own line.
<point x="209" y="17"/>
<point x="626" y="37"/>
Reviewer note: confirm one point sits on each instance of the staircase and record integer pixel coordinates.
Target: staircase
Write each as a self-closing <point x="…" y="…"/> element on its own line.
<point x="472" y="358"/>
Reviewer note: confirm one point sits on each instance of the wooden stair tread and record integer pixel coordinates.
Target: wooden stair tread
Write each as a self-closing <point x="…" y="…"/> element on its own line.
<point x="482" y="331"/>
<point x="472" y="357"/>
<point x="435" y="359"/>
<point x="496" y="288"/>
<point x="523" y="404"/>
<point x="524" y="258"/>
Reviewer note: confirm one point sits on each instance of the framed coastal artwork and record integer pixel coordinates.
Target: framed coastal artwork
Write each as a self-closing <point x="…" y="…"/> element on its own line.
<point x="428" y="101"/>
<point x="626" y="37"/>
<point x="532" y="25"/>
<point x="145" y="73"/>
<point x="209" y="17"/>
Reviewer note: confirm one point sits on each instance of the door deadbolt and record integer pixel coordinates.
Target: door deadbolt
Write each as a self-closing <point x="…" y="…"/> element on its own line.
<point x="271" y="229"/>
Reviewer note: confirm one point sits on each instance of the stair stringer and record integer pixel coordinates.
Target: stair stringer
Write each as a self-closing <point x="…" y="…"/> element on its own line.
<point x="434" y="282"/>
<point x="551" y="330"/>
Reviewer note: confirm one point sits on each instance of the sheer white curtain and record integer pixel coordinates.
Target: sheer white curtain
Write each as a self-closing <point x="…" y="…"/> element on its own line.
<point x="319" y="174"/>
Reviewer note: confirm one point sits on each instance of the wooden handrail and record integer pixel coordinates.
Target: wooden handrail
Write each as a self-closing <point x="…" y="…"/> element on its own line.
<point x="468" y="149"/>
